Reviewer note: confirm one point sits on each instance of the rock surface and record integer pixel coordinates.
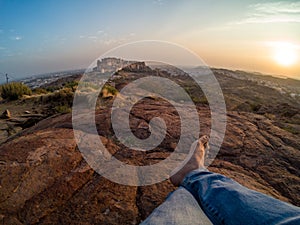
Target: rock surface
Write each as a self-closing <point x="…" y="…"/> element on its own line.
<point x="6" y="114"/>
<point x="45" y="180"/>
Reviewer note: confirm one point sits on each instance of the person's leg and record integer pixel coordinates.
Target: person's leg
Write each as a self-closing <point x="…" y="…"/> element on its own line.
<point x="179" y="208"/>
<point x="225" y="201"/>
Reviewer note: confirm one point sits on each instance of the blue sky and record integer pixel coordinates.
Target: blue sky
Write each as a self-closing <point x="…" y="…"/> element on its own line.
<point x="44" y="36"/>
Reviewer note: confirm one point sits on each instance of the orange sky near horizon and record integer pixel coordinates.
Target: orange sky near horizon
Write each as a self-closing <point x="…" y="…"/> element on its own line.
<point x="228" y="48"/>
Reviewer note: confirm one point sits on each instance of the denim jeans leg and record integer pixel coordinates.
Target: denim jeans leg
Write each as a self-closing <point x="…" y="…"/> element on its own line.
<point x="227" y="202"/>
<point x="179" y="208"/>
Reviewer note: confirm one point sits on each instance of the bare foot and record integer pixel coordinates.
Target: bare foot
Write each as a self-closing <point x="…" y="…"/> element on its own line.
<point x="196" y="161"/>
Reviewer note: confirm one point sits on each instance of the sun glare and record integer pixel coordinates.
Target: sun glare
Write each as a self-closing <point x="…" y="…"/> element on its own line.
<point x="285" y="54"/>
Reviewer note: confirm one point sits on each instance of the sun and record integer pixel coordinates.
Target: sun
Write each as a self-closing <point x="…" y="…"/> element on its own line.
<point x="285" y="54"/>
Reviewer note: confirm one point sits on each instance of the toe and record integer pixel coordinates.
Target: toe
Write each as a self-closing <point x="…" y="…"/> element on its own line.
<point x="204" y="141"/>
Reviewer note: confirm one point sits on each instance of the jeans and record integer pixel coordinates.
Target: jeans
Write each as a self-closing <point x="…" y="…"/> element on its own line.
<point x="224" y="201"/>
<point x="181" y="208"/>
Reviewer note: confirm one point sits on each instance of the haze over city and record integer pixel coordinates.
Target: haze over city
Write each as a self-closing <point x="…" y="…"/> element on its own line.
<point x="46" y="36"/>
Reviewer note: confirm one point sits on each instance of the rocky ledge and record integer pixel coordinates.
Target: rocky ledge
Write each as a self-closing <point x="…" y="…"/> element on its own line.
<point x="44" y="178"/>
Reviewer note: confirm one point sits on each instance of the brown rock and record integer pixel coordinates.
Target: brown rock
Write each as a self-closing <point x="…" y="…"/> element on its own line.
<point x="44" y="178"/>
<point x="6" y="114"/>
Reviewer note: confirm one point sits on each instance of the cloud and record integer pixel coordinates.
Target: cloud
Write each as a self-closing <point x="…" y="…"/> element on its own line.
<point x="93" y="38"/>
<point x="273" y="12"/>
<point x="285" y="7"/>
<point x="282" y="44"/>
<point x="17" y="38"/>
<point x="158" y="2"/>
<point x="104" y="38"/>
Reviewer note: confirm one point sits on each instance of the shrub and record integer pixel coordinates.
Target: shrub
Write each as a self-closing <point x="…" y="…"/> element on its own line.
<point x="108" y="91"/>
<point x="61" y="97"/>
<point x="88" y="85"/>
<point x="51" y="89"/>
<point x="14" y="90"/>
<point x="63" y="109"/>
<point x="202" y="100"/>
<point x="39" y="91"/>
<point x="72" y="84"/>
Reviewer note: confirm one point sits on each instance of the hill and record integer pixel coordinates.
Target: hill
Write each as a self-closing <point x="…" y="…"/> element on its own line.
<point x="44" y="178"/>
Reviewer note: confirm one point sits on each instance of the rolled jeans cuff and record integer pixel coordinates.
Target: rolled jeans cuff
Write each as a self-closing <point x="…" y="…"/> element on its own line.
<point x="188" y="177"/>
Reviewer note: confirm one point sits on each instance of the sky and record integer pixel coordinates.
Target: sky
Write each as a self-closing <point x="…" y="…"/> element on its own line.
<point x="46" y="36"/>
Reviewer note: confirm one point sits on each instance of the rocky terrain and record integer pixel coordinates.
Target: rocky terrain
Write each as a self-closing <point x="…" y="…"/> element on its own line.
<point x="45" y="180"/>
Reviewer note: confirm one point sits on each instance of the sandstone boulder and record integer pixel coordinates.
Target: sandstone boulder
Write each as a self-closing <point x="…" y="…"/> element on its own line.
<point x="44" y="178"/>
